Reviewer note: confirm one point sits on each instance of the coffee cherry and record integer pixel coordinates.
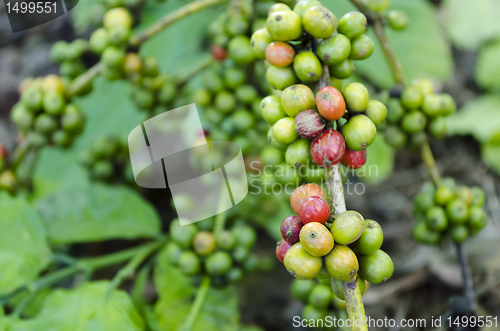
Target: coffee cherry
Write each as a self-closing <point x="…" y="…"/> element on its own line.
<point x="117" y="16"/>
<point x="319" y="22"/>
<point x="395" y="137"/>
<point x="342" y="263"/>
<point x="53" y="83"/>
<point x="330" y="103"/>
<point x="309" y="124"/>
<point x="271" y="109"/>
<point x="478" y="197"/>
<point x="45" y="123"/>
<point x="316" y="239"/>
<point x="354" y="159"/>
<point x="284" y="130"/>
<point x="398" y="20"/>
<point x="424" y="201"/>
<point x="303" y="5"/>
<point x="278" y="7"/>
<point x="307" y="66"/>
<point x="424" y="85"/>
<point x="423" y="234"/>
<point x="32" y="98"/>
<point x="143" y="98"/>
<point x="302" y="193"/>
<point x="444" y="194"/>
<point x="412" y="98"/>
<point x="118" y="35"/>
<point x="438" y="105"/>
<point x="457" y="211"/>
<point x="202" y="97"/>
<point x="274" y="142"/>
<point x="204" y="243"/>
<point x="378" y="5"/>
<point x="225" y="240"/>
<point x="376" y="268"/>
<point x="297" y="98"/>
<point x="62" y="138"/>
<point x="234" y="77"/>
<point x="335" y="49"/>
<point x="371" y="239"/>
<point x="240" y="50"/>
<point x="298" y="153"/>
<point x="413" y="122"/>
<point x="279" y="54"/>
<point x="301" y="264"/>
<point x="189" y="263"/>
<point x="281" y="248"/>
<point x="394" y="111"/>
<point x="235" y="275"/>
<point x="8" y="181"/>
<point x="58" y="51"/>
<point x="436" y="219"/>
<point x="280" y="78"/>
<point x="102" y="170"/>
<point x="352" y="24"/>
<point x="259" y="41"/>
<point x="172" y="252"/>
<point x="356" y="97"/>
<point x="376" y="111"/>
<point x="359" y="132"/>
<point x="301" y="289"/>
<point x="328" y="148"/>
<point x="314" y="209"/>
<point x="284" y="25"/>
<point x="478" y="218"/>
<point x="225" y="101"/>
<point x="465" y="193"/>
<point x="22" y="117"/>
<point x="218" y="52"/>
<point x="342" y="70"/>
<point x="242" y="120"/>
<point x="290" y="229"/>
<point x="347" y="227"/>
<point x="320" y="296"/>
<point x="237" y="25"/>
<point x="244" y="236"/>
<point x="448" y="105"/>
<point x="437" y="127"/>
<point x="182" y="235"/>
<point x="361" y="47"/>
<point x="113" y="57"/>
<point x="459" y="233"/>
<point x="99" y="41"/>
<point x="218" y="263"/>
<point x="240" y="254"/>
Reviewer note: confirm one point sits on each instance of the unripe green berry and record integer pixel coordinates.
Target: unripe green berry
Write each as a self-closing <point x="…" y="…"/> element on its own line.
<point x="334" y="49"/>
<point x="352" y="24"/>
<point x="284" y="25"/>
<point x="362" y="47"/>
<point x="307" y="66"/>
<point x="359" y="132"/>
<point x="284" y="130"/>
<point x="398" y="20"/>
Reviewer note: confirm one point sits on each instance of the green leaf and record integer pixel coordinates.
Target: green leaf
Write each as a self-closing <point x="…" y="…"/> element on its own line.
<point x="96" y="213"/>
<point x="24" y="251"/>
<point x="379" y="163"/>
<point x="219" y="311"/>
<point x="421" y="48"/>
<point x="479" y="117"/>
<point x="34" y="306"/>
<point x="491" y="156"/>
<point x="470" y="23"/>
<point x="85" y="308"/>
<point x="488" y="67"/>
<point x="109" y="110"/>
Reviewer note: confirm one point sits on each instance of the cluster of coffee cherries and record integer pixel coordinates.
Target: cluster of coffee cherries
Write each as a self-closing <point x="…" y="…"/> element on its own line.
<point x="107" y="159"/>
<point x="450" y="210"/>
<point x="418" y="113"/>
<point x="69" y="56"/>
<point x="196" y="250"/>
<point x="313" y="248"/>
<point x="45" y="114"/>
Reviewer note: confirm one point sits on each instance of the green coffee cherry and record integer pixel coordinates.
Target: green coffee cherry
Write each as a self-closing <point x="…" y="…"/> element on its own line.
<point x="117" y="16"/>
<point x="376" y="268"/>
<point x="234" y="77"/>
<point x="458" y="211"/>
<point x="320" y="296"/>
<point x="301" y="289"/>
<point x="436" y="219"/>
<point x="335" y="49"/>
<point x="371" y="239"/>
<point x="284" y="130"/>
<point x="413" y="122"/>
<point x="478" y="197"/>
<point x="259" y="41"/>
<point x="437" y="127"/>
<point x="62" y="138"/>
<point x="342" y="70"/>
<point x="113" y="57"/>
<point x="102" y="170"/>
<point x="412" y="98"/>
<point x="202" y="97"/>
<point x="394" y="111"/>
<point x="271" y="109"/>
<point x="376" y="111"/>
<point x="459" y="233"/>
<point x="342" y="263"/>
<point x="281" y="78"/>
<point x="356" y="96"/>
<point x="143" y="98"/>
<point x="22" y="117"/>
<point x="76" y="49"/>
<point x="359" y="132"/>
<point x="352" y="24"/>
<point x="189" y="263"/>
<point x="242" y="120"/>
<point x="225" y="101"/>
<point x="225" y="240"/>
<point x="424" y="85"/>
<point x="167" y="92"/>
<point x="307" y="66"/>
<point x="378" y="5"/>
<point x="182" y="235"/>
<point x="245" y="236"/>
<point x="45" y="123"/>
<point x="424" y="201"/>
<point x="298" y="153"/>
<point x="218" y="263"/>
<point x="395" y="137"/>
<point x="418" y="139"/>
<point x="272" y="140"/>
<point x="319" y="22"/>
<point x="478" y="218"/>
<point x="361" y="47"/>
<point x="444" y="194"/>
<point x="312" y="313"/>
<point x="150" y="66"/>
<point x="237" y="25"/>
<point x="301" y="264"/>
<point x="53" y="103"/>
<point x="118" y="35"/>
<point x="240" y="50"/>
<point x="99" y="41"/>
<point x="398" y="20"/>
<point x="423" y="234"/>
<point x="284" y="25"/>
<point x="172" y="252"/>
<point x="246" y="93"/>
<point x="278" y="7"/>
<point x="32" y="98"/>
<point x="296" y="99"/>
<point x="58" y="51"/>
<point x="302" y="5"/>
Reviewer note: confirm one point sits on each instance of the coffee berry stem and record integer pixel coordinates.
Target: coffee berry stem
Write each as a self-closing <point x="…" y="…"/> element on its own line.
<point x="81" y="81"/>
<point x="430" y="163"/>
<point x="354" y="304"/>
<point x="198" y="303"/>
<point x="467" y="278"/>
<point x="19" y="153"/>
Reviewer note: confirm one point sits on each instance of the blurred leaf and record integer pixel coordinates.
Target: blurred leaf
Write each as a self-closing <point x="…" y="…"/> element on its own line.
<point x="491" y="156"/>
<point x="479" y="117"/>
<point x="421" y="48"/>
<point x="24" y="252"/>
<point x="470" y="23"/>
<point x="34" y="306"/>
<point x="85" y="308"/>
<point x="379" y="163"/>
<point x="109" y="111"/>
<point x="488" y="67"/>
<point x="219" y="311"/>
<point x="96" y="213"/>
<point x="86" y="14"/>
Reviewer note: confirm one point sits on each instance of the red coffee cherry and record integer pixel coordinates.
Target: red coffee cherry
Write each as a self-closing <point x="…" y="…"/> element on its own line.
<point x="354" y="159"/>
<point x="290" y="229"/>
<point x="314" y="209"/>
<point x="328" y="148"/>
<point x="280" y="54"/>
<point x="301" y="193"/>
<point x="281" y="249"/>
<point x="330" y="103"/>
<point x="219" y="53"/>
<point x="309" y="124"/>
<point x="3" y="152"/>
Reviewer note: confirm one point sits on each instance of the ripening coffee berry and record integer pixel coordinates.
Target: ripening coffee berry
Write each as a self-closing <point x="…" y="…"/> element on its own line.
<point x="301" y="264"/>
<point x="376" y="111"/>
<point x="274" y="142"/>
<point x="316" y="239"/>
<point x="347" y="227"/>
<point x="376" y="268"/>
<point x="330" y="103"/>
<point x="204" y="243"/>
<point x="355" y="96"/>
<point x="334" y="49"/>
<point x="290" y="229"/>
<point x="301" y="193"/>
<point x="280" y="78"/>
<point x="319" y="22"/>
<point x="284" y="25"/>
<point x="361" y="47"/>
<point x="342" y="263"/>
<point x="414" y="121"/>
<point x="279" y="54"/>
<point x="297" y="98"/>
<point x="307" y="66"/>
<point x="303" y="5"/>
<point x="118" y="35"/>
<point x="278" y="7"/>
<point x="219" y="53"/>
<point x="314" y="209"/>
<point x="398" y="20"/>
<point x="218" y="263"/>
<point x="342" y="70"/>
<point x="354" y="159"/>
<point x="457" y="211"/>
<point x="284" y="130"/>
<point x="309" y="124"/>
<point x="436" y="219"/>
<point x="352" y="24"/>
<point x="72" y="120"/>
<point x="359" y="132"/>
<point x="328" y="148"/>
<point x="281" y="248"/>
<point x="189" y="263"/>
<point x="117" y="16"/>
<point x="298" y="153"/>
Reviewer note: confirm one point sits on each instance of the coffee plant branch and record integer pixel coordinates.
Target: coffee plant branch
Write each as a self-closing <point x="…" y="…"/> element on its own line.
<point x="198" y="303"/>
